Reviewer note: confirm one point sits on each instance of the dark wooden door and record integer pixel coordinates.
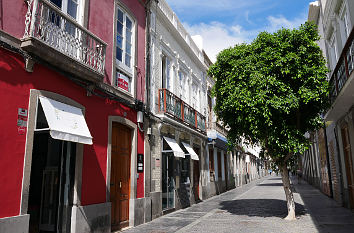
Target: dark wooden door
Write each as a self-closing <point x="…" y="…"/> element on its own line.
<point x="348" y="163"/>
<point x="120" y="175"/>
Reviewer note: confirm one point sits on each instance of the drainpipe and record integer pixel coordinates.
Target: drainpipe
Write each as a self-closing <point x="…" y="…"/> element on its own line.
<point x="328" y="163"/>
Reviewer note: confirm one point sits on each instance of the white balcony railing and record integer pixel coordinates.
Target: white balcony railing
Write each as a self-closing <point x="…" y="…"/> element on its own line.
<point x="48" y="24"/>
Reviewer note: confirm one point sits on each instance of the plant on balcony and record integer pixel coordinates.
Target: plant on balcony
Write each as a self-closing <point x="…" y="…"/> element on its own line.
<point x="272" y="92"/>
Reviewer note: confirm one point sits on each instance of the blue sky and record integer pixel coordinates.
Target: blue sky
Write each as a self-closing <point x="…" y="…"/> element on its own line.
<point x="223" y="23"/>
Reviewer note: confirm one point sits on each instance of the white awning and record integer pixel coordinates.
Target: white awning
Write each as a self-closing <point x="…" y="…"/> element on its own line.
<point x="65" y="122"/>
<point x="176" y="149"/>
<point x="190" y="150"/>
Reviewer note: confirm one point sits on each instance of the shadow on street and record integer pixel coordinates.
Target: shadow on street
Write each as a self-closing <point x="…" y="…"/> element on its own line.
<point x="275" y="178"/>
<point x="260" y="208"/>
<point x="271" y="184"/>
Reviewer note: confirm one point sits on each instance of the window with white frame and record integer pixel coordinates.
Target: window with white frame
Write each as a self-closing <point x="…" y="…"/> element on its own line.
<point x="333" y="51"/>
<point x="182" y="85"/>
<point x="344" y="21"/>
<point x="165" y="74"/>
<point x="195" y="98"/>
<point x="124" y="51"/>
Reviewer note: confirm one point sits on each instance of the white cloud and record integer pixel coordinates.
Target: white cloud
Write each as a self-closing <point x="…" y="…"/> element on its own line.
<point x="218" y="36"/>
<point x="219" y="5"/>
<point x="276" y="23"/>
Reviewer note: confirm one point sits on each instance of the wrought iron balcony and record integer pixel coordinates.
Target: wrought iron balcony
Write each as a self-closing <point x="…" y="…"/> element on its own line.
<point x="175" y="107"/>
<point x="344" y="68"/>
<point x="57" y="38"/>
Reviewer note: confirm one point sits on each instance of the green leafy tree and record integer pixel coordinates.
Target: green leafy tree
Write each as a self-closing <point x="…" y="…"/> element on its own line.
<point x="272" y="91"/>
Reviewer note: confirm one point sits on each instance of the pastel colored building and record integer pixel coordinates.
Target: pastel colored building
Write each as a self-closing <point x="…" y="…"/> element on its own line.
<point x="72" y="87"/>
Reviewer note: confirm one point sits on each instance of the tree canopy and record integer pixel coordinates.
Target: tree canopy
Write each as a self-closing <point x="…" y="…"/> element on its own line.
<point x="273" y="90"/>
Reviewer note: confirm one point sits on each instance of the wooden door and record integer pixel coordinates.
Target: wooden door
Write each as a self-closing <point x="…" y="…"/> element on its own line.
<point x="120" y="175"/>
<point x="348" y="163"/>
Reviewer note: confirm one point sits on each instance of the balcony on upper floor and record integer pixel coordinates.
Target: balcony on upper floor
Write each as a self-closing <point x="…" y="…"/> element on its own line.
<point x="217" y="126"/>
<point x="58" y="39"/>
<point x="176" y="108"/>
<point x="342" y="83"/>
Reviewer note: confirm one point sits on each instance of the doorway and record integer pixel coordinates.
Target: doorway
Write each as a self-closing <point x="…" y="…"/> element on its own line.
<point x="168" y="183"/>
<point x="196" y="176"/>
<point x="120" y="175"/>
<point x="348" y="163"/>
<point x="51" y="184"/>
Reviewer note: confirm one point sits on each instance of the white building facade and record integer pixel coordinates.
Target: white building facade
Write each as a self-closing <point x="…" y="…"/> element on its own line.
<point x="329" y="162"/>
<point x="177" y="102"/>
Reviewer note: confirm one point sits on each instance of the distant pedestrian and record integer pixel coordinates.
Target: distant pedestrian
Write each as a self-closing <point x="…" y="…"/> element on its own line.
<point x="270" y="171"/>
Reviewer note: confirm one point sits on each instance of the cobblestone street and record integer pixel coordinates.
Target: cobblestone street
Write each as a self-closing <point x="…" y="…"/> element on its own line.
<point x="257" y="207"/>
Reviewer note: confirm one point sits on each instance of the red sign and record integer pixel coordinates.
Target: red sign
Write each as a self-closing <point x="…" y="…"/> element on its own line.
<point x="123" y="81"/>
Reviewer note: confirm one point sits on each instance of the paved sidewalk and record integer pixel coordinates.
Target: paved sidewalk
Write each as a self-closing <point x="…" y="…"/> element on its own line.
<point x="256" y="207"/>
<point x="327" y="214"/>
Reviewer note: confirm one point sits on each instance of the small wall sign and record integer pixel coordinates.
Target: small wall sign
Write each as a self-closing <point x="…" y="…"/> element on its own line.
<point x="22" y="120"/>
<point x="140" y="163"/>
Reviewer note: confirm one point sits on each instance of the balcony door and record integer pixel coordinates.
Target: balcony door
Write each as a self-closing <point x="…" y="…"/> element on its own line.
<point x="70" y="38"/>
<point x="70" y="7"/>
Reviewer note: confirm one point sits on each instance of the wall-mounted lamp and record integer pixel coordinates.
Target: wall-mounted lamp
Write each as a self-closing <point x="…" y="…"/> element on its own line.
<point x="140" y="120"/>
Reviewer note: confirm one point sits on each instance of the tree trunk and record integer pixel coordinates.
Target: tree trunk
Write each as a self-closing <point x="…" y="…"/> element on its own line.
<point x="288" y="193"/>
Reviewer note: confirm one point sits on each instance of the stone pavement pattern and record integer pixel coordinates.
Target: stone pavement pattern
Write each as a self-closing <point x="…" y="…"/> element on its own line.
<point x="256" y="207"/>
<point x="327" y="214"/>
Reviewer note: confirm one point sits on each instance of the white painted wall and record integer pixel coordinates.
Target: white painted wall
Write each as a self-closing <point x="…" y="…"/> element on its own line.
<point x="183" y="53"/>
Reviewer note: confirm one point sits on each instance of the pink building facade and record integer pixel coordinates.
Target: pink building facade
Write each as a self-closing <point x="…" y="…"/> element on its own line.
<point x="72" y="81"/>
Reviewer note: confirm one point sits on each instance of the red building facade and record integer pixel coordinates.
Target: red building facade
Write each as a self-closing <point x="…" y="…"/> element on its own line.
<point x="72" y="81"/>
